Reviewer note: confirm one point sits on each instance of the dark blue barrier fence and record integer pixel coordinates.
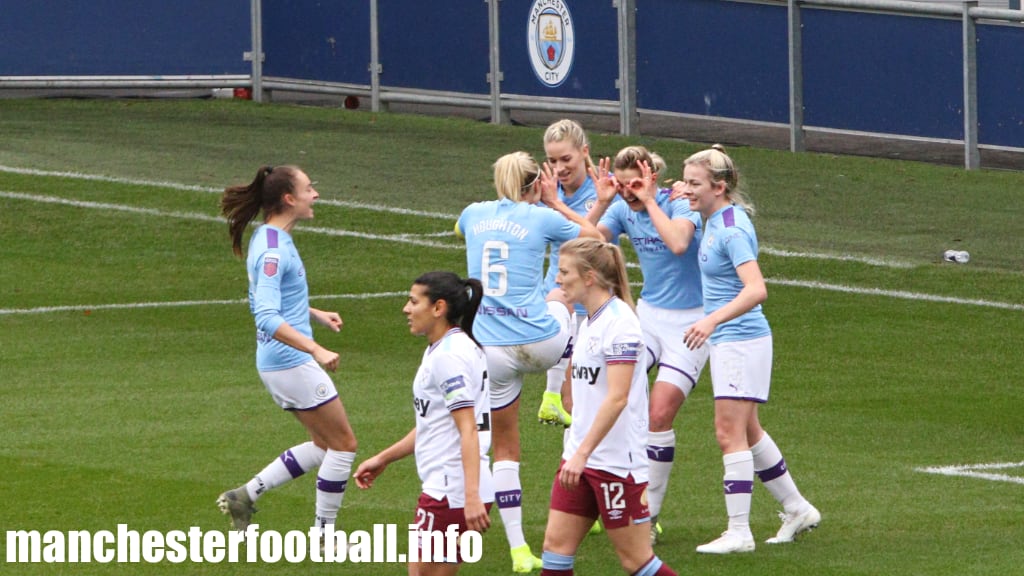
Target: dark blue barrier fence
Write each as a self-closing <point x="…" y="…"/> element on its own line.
<point x="123" y="37"/>
<point x="713" y="58"/>
<point x="325" y="40"/>
<point x="883" y="73"/>
<point x="434" y="45"/>
<point x="1000" y="87"/>
<point x="863" y="71"/>
<point x="595" y="57"/>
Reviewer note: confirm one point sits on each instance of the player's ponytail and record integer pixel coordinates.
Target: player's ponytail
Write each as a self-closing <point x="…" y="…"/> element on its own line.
<point x="462" y="296"/>
<point x="241" y="204"/>
<point x="476" y="294"/>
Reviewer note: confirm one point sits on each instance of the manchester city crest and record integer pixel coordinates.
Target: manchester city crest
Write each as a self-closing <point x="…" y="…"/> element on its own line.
<point x="551" y="41"/>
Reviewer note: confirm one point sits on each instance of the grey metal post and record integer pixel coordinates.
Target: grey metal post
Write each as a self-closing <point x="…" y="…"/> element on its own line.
<point x="972" y="158"/>
<point x="626" y="83"/>
<point x="495" y="76"/>
<point x="256" y="55"/>
<point x="375" y="67"/>
<point x="796" y="80"/>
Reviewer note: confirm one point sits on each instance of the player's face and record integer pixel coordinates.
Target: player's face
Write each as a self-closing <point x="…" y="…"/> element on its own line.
<point x="704" y="194"/>
<point x="569" y="278"/>
<point x="629" y="182"/>
<point x="304" y="195"/>
<point x="420" y="311"/>
<point x="568" y="162"/>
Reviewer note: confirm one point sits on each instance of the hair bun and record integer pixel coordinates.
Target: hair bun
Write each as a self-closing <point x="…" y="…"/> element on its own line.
<point x="718" y="147"/>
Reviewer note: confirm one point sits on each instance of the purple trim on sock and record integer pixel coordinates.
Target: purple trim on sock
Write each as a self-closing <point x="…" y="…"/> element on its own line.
<point x="291" y="464"/>
<point x="774" y="472"/>
<point x="738" y="486"/>
<point x="335" y="486"/>
<point x="661" y="453"/>
<point x="509" y="498"/>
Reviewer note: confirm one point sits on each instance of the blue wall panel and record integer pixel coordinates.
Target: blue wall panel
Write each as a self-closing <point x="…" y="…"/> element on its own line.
<point x="595" y="63"/>
<point x="1001" y="85"/>
<point x="434" y="45"/>
<point x="713" y="58"/>
<point x="326" y="40"/>
<point x="883" y="73"/>
<point x="123" y="37"/>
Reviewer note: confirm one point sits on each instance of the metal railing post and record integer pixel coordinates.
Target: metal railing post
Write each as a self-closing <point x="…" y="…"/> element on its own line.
<point x="375" y="67"/>
<point x="256" y="55"/>
<point x="972" y="158"/>
<point x="796" y="80"/>
<point x="626" y="83"/>
<point x="494" y="77"/>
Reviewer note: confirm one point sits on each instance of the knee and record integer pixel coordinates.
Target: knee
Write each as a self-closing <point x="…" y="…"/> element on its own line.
<point x="344" y="443"/>
<point x="730" y="440"/>
<point x="351" y="444"/>
<point x="661" y="418"/>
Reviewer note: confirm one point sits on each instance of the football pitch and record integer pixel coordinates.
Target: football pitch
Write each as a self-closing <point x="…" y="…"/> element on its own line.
<point x="130" y="396"/>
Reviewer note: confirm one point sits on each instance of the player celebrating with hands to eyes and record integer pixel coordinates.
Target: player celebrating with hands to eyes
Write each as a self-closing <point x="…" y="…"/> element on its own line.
<point x="288" y="359"/>
<point x="741" y="353"/>
<point x="452" y="404"/>
<point x="665" y="234"/>
<point x="522" y="331"/>
<point x="567" y="151"/>
<point x="604" y="460"/>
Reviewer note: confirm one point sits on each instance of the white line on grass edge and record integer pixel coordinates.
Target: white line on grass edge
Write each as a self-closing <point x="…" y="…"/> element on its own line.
<point x="403" y="238"/>
<point x="976" y="471"/>
<point x="404" y="211"/>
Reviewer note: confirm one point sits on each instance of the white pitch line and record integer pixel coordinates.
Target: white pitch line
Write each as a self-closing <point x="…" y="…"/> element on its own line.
<point x="973" y="471"/>
<point x="182" y="303"/>
<point x="406" y="238"/>
<point x="400" y="238"/>
<point x="405" y="211"/>
<point x="196" y="188"/>
<point x="894" y="294"/>
<point x="843" y="258"/>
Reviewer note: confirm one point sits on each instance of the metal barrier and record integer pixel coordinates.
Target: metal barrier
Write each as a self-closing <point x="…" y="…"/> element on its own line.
<point x="936" y="72"/>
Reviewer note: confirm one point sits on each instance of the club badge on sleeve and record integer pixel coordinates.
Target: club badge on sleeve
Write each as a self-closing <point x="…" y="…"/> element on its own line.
<point x="270" y="266"/>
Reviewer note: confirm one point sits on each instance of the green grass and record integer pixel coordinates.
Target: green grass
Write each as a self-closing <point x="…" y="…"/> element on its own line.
<point x="142" y="415"/>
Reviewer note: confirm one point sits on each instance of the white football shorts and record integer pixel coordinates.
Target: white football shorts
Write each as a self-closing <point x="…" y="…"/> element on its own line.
<point x="742" y="370"/>
<point x="663" y="334"/>
<point x="303" y="387"/>
<point x="507" y="364"/>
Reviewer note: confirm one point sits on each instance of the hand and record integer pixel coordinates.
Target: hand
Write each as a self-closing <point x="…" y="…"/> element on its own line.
<point x="678" y="191"/>
<point x="571" y="471"/>
<point x="368" y="471"/>
<point x="604" y="182"/>
<point x="548" y="185"/>
<point x="331" y="320"/>
<point x="326" y="358"/>
<point x="649" y="180"/>
<point x="697" y="334"/>
<point x="476" y="515"/>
